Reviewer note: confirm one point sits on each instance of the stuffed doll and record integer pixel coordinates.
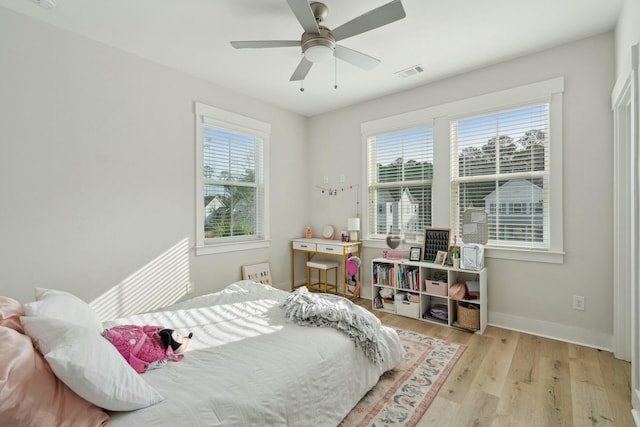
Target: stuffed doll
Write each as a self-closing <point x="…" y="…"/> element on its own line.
<point x="353" y="264"/>
<point x="143" y="347"/>
<point x="171" y="338"/>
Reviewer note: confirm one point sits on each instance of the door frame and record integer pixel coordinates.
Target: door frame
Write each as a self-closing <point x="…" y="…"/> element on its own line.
<point x="624" y="103"/>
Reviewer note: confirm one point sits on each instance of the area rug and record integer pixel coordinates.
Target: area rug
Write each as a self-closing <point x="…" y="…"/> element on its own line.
<point x="404" y="394"/>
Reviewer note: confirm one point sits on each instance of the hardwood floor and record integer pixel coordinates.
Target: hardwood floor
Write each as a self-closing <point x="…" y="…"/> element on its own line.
<point x="507" y="378"/>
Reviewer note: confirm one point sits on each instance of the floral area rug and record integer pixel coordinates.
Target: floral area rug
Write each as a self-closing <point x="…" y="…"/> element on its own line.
<point x="403" y="394"/>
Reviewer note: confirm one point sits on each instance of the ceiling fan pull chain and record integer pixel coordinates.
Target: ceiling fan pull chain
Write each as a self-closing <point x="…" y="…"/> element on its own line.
<point x="302" y="80"/>
<point x="335" y="65"/>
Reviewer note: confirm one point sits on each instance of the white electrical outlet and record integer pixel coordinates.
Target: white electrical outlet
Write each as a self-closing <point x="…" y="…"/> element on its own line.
<point x="325" y="179"/>
<point x="578" y="302"/>
<point x="342" y="178"/>
<point x="189" y="287"/>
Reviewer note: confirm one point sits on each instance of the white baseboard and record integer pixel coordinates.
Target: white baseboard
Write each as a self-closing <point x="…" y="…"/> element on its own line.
<point x="636" y="417"/>
<point x="557" y="331"/>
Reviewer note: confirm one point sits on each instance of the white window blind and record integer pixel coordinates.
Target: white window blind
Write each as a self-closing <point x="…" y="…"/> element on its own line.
<point x="399" y="181"/>
<point x="232" y="190"/>
<point x="500" y="162"/>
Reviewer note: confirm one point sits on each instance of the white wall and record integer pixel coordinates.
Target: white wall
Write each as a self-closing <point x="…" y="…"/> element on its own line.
<point x="627" y="31"/>
<point x="534" y="297"/>
<point x="97" y="166"/>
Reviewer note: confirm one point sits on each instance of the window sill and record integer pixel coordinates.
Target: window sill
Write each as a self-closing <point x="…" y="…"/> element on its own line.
<point x="516" y="254"/>
<point x="231" y="247"/>
<point x="532" y="255"/>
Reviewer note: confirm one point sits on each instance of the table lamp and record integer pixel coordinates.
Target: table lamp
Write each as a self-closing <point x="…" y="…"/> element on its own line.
<point x="353" y="225"/>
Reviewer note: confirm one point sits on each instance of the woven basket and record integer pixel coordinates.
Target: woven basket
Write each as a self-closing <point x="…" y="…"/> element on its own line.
<point x="468" y="315"/>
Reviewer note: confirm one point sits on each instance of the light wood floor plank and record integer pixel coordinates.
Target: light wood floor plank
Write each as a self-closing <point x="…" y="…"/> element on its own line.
<point x="617" y="377"/>
<point x="495" y="365"/>
<point x="507" y="378"/>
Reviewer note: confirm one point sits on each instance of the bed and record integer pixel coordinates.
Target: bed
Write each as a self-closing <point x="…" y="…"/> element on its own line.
<point x="246" y="365"/>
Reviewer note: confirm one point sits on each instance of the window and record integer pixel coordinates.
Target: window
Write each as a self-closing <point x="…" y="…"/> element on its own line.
<point x="399" y="180"/>
<point x="231" y="168"/>
<point x="501" y="151"/>
<point x="503" y="159"/>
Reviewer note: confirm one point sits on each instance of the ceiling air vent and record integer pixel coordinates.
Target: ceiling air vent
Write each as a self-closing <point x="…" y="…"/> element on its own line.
<point x="411" y="71"/>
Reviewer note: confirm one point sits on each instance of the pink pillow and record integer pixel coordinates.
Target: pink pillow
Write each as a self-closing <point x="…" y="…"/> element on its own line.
<point x="31" y="395"/>
<point x="10" y="312"/>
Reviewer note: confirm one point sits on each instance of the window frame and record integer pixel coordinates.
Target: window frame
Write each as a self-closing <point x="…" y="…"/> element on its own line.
<point x="206" y="115"/>
<point x="405" y="122"/>
<point x="550" y="91"/>
<point x="507" y="208"/>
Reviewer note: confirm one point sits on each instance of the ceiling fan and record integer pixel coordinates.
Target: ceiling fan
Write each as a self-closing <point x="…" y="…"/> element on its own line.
<point x="318" y="43"/>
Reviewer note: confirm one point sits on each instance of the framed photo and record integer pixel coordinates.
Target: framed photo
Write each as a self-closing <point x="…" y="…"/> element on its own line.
<point x="441" y="257"/>
<point x="259" y="272"/>
<point x="414" y="255"/>
<point x="435" y="239"/>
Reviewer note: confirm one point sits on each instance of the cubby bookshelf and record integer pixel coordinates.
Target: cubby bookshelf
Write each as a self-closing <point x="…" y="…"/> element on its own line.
<point x="421" y="290"/>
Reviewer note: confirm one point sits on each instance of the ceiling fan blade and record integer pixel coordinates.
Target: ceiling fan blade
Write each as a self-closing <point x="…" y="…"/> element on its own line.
<point x="302" y="70"/>
<point x="375" y="18"/>
<point x="356" y="58"/>
<point x="264" y="43"/>
<point x="305" y="15"/>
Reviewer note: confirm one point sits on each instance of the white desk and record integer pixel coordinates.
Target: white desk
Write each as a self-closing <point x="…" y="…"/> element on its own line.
<point x="316" y="246"/>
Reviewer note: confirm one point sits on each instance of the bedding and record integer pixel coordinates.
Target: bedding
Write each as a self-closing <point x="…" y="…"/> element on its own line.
<point x="333" y="311"/>
<point x="30" y="394"/>
<point x="52" y="303"/>
<point x="86" y="362"/>
<point x="246" y="365"/>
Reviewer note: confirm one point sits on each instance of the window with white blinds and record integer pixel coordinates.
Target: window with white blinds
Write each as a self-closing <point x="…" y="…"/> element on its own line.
<point x="232" y="189"/>
<point x="231" y="179"/>
<point x="399" y="181"/>
<point x="500" y="162"/>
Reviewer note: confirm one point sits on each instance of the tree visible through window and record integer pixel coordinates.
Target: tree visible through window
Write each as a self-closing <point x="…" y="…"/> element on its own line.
<point x="399" y="176"/>
<point x="230" y="187"/>
<point x="501" y="160"/>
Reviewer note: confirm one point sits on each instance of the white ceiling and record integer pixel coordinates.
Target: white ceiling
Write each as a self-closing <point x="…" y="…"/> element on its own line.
<point x="446" y="37"/>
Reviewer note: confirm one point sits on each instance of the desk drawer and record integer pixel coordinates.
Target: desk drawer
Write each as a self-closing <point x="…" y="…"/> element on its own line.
<point x="304" y="246"/>
<point x="330" y="249"/>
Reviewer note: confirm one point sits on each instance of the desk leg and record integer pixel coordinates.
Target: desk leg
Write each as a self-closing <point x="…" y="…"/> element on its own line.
<point x="293" y="269"/>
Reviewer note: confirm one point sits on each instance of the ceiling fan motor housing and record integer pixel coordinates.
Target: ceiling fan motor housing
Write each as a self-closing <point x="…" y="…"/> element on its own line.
<point x="318" y="47"/>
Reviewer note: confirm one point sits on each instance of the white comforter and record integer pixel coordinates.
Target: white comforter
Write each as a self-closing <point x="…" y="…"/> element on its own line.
<point x="247" y="366"/>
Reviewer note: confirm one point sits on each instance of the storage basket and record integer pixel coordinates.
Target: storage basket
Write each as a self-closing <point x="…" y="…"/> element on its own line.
<point x="468" y="315"/>
<point x="436" y="288"/>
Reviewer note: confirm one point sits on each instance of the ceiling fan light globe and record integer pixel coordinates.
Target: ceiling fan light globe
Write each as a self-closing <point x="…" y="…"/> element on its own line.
<point x="318" y="53"/>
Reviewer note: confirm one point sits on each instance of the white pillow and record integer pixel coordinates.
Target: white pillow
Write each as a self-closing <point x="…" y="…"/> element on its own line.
<point x="64" y="306"/>
<point x="90" y="365"/>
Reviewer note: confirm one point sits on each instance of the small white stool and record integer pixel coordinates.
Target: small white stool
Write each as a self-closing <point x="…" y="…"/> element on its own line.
<point x="321" y="266"/>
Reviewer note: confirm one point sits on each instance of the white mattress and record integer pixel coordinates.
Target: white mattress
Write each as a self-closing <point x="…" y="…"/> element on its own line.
<point x="247" y="366"/>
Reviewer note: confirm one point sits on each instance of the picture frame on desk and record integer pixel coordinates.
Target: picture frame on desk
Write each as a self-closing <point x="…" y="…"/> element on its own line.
<point x="414" y="254"/>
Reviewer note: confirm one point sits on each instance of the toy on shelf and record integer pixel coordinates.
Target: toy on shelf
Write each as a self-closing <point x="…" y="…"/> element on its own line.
<point x="393" y="242"/>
